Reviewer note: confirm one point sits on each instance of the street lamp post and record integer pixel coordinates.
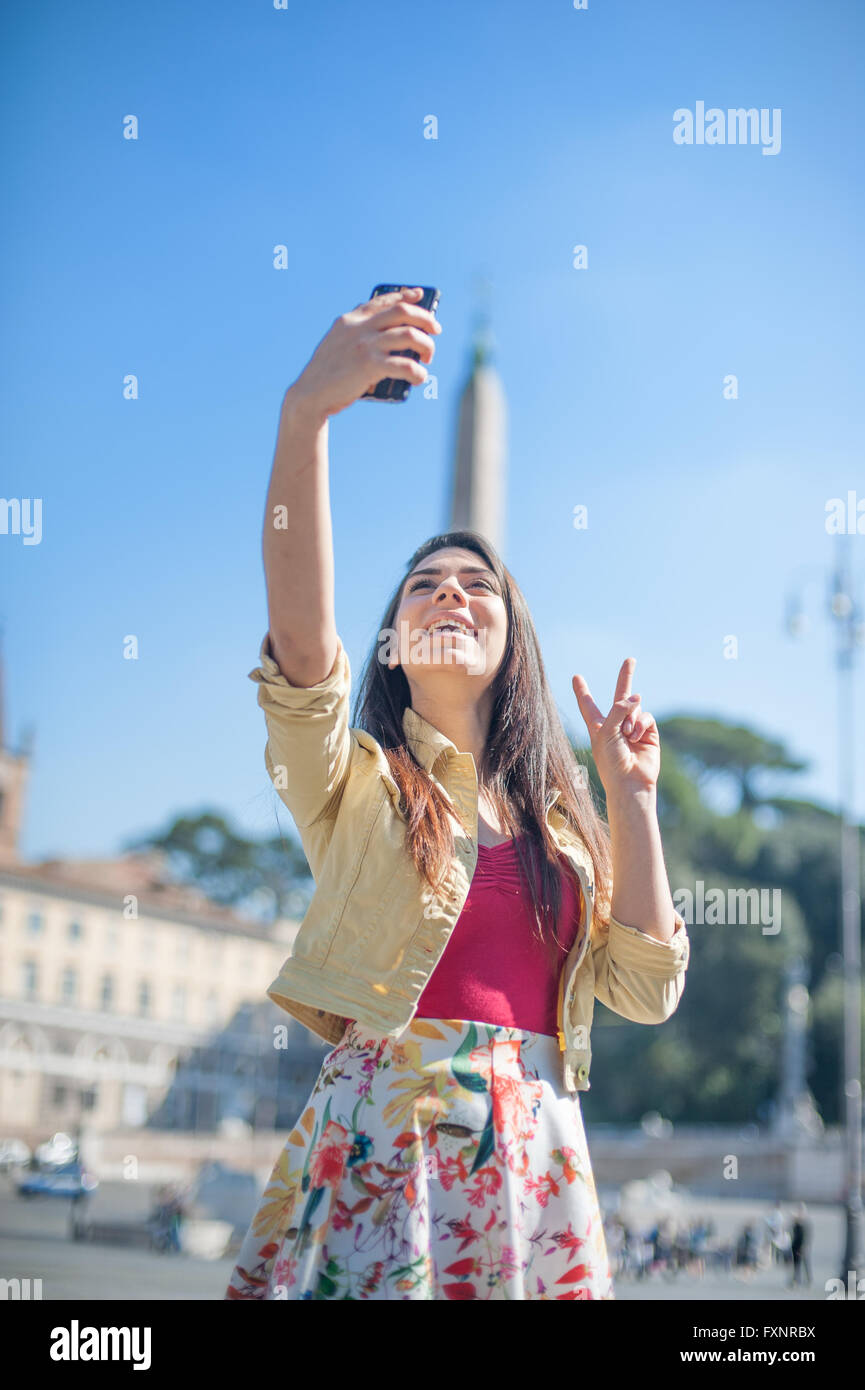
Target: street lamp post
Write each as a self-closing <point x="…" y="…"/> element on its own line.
<point x="847" y="617"/>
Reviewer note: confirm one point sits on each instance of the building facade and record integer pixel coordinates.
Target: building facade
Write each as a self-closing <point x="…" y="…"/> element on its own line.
<point x="105" y="996"/>
<point x="127" y="1000"/>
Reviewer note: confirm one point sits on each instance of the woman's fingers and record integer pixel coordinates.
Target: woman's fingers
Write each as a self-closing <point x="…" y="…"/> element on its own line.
<point x="642" y="726"/>
<point x="632" y="719"/>
<point x="401" y="311"/>
<point x="623" y="684"/>
<point x="624" y="704"/>
<point x="403" y="368"/>
<point x="624" y="711"/>
<point x="588" y="709"/>
<point x="407" y="337"/>
<point x="386" y="301"/>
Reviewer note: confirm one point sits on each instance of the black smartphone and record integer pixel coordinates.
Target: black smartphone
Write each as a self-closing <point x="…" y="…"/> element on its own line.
<point x="391" y="388"/>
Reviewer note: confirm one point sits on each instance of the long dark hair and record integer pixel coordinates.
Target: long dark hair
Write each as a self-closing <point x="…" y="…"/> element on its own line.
<point x="527" y="758"/>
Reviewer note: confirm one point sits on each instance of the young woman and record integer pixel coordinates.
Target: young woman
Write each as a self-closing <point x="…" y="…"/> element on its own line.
<point x="462" y="924"/>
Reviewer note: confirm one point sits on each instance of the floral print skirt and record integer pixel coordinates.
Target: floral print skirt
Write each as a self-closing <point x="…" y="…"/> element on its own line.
<point x="449" y="1164"/>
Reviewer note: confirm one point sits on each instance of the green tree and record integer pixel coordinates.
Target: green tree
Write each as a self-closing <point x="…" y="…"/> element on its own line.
<point x="731" y="752"/>
<point x="267" y="878"/>
<point x="718" y="1058"/>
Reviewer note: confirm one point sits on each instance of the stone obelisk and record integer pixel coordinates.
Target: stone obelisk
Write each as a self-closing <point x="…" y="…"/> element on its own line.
<point x="478" y="489"/>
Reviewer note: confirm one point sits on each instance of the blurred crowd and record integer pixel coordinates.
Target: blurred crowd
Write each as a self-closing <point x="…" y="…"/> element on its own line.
<point x="669" y="1249"/>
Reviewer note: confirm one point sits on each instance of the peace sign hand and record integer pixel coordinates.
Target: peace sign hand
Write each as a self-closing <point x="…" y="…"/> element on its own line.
<point x="625" y="746"/>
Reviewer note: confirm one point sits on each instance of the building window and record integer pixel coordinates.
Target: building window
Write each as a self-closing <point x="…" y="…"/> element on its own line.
<point x="134" y="1103"/>
<point x="69" y="985"/>
<point x="75" y="931"/>
<point x="89" y="1097"/>
<point x="106" y="992"/>
<point x="178" y="1004"/>
<point x="59" y="1095"/>
<point x="145" y="999"/>
<point x="35" y="923"/>
<point x="211" y="1010"/>
<point x="112" y="937"/>
<point x="29" y="979"/>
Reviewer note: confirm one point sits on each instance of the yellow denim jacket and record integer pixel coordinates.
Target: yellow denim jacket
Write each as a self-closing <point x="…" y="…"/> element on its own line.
<point x="373" y="932"/>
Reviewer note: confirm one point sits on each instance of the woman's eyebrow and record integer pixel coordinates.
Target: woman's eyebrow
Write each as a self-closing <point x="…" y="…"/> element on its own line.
<point x="465" y="569"/>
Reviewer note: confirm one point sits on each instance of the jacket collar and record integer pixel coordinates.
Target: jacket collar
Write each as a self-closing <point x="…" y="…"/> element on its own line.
<point x="428" y="743"/>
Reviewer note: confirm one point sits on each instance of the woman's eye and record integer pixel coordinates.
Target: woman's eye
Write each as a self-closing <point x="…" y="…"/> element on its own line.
<point x="418" y="582"/>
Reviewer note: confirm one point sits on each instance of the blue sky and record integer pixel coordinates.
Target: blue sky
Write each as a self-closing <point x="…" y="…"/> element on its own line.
<point x="304" y="127"/>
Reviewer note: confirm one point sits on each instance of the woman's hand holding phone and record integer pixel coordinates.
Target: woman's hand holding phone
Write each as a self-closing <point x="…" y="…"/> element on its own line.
<point x="353" y="356"/>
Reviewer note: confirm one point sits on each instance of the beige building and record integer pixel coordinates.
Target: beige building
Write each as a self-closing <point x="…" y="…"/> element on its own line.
<point x="111" y="978"/>
<point x="103" y="987"/>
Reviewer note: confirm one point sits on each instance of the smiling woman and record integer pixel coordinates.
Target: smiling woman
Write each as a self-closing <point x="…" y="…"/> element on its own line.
<point x="461" y="923"/>
<point x="489" y="695"/>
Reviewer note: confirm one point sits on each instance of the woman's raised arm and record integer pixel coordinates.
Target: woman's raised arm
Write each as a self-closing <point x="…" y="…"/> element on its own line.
<point x="298" y="535"/>
<point x="298" y="548"/>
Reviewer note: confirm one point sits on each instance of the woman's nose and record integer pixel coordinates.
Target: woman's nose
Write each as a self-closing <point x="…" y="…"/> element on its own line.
<point x="450" y="591"/>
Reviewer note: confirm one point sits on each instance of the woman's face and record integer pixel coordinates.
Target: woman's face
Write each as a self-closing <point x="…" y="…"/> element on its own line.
<point x="454" y="584"/>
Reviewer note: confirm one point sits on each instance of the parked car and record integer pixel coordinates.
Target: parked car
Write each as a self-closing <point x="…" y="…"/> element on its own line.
<point x="64" y="1180"/>
<point x="14" y="1153"/>
<point x="57" y="1151"/>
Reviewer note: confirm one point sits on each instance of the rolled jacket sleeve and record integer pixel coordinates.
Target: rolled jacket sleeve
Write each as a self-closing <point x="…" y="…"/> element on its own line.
<point x="639" y="977"/>
<point x="308" y="750"/>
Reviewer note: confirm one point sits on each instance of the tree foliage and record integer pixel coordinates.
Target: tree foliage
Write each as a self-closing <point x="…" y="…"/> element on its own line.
<point x="266" y="879"/>
<point x="719" y="1058"/>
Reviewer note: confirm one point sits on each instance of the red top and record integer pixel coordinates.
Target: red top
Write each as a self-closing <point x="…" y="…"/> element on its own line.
<point x="493" y="968"/>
